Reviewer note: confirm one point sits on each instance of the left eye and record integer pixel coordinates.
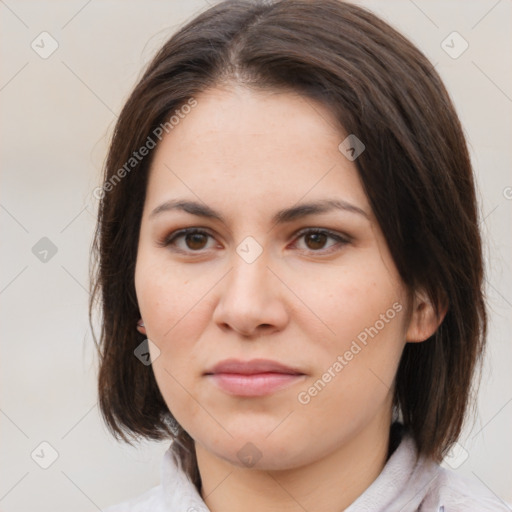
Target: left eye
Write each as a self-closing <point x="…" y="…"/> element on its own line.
<point x="196" y="240"/>
<point x="316" y="239"/>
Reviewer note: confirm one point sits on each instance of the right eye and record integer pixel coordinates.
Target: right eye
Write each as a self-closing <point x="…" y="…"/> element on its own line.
<point x="191" y="240"/>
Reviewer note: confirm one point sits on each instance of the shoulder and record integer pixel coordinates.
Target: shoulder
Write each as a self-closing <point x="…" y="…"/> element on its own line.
<point x="150" y="500"/>
<point x="175" y="493"/>
<point x="451" y="492"/>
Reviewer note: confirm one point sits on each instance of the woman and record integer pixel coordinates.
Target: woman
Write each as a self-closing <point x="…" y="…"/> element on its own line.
<point x="290" y="267"/>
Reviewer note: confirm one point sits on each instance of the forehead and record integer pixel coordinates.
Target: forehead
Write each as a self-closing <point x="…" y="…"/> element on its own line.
<point x="249" y="148"/>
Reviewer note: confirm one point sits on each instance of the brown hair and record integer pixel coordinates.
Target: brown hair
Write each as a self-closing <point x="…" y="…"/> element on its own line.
<point x="415" y="170"/>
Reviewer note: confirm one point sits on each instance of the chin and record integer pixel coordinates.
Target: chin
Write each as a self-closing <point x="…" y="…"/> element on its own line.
<point x="259" y="452"/>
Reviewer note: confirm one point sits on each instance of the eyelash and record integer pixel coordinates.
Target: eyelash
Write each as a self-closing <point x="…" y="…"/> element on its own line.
<point x="171" y="239"/>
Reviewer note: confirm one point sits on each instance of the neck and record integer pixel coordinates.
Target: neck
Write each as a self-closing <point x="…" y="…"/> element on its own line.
<point x="329" y="484"/>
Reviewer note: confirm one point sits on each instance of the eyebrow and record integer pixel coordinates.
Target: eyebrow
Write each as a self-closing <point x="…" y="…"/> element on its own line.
<point x="281" y="217"/>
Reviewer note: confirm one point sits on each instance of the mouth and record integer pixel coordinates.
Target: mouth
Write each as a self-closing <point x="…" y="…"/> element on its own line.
<point x="258" y="377"/>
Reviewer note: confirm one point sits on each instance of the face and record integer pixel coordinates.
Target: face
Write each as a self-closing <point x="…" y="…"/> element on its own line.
<point x="230" y="266"/>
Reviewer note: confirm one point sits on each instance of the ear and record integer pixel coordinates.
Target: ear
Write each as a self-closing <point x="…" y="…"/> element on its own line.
<point x="140" y="327"/>
<point x="424" y="319"/>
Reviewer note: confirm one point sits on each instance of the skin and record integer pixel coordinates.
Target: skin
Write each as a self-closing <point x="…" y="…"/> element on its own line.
<point x="303" y="301"/>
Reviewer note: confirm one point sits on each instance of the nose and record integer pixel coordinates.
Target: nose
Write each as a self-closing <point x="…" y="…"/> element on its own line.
<point x="251" y="301"/>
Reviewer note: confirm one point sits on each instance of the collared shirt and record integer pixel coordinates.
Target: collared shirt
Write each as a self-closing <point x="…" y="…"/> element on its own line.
<point x="406" y="484"/>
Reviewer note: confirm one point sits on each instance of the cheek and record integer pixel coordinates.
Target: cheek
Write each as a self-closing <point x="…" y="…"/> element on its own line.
<point x="176" y="311"/>
<point x="362" y="301"/>
<point x="357" y="353"/>
<point x="174" y="323"/>
<point x="167" y="295"/>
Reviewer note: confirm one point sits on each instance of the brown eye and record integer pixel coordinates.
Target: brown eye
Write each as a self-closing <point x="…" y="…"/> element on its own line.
<point x="188" y="240"/>
<point x="196" y="241"/>
<point x="315" y="241"/>
<point x="321" y="241"/>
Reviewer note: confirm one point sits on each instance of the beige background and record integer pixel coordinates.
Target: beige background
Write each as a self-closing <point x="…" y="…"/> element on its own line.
<point x="57" y="114"/>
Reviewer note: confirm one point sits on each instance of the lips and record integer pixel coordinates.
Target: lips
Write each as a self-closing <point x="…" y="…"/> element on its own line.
<point x="254" y="366"/>
<point x="258" y="377"/>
